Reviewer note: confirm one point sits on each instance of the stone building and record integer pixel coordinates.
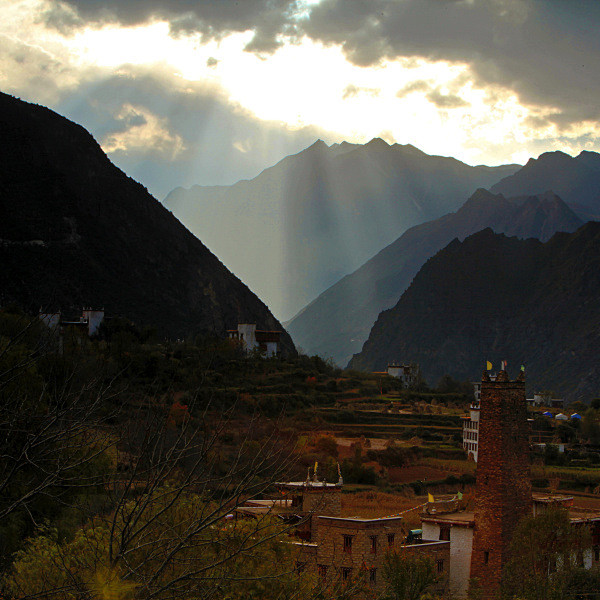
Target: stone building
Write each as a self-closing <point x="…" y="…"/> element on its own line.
<point x="346" y="546"/>
<point x="503" y="489"/>
<point x="340" y="548"/>
<point x="479" y="540"/>
<point x="250" y="338"/>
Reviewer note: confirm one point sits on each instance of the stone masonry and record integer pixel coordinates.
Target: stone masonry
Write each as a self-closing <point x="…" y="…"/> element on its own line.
<point x="348" y="546"/>
<point x="503" y="493"/>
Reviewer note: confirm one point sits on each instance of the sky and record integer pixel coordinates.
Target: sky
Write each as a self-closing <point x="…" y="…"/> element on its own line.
<point x="184" y="92"/>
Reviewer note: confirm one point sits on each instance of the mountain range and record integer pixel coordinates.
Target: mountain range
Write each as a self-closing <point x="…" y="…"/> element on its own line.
<point x="301" y="225"/>
<point x="338" y="322"/>
<point x="496" y="298"/>
<point x="576" y="179"/>
<point x="76" y="231"/>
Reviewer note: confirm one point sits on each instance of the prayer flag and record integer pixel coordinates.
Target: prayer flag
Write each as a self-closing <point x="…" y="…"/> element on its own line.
<point x="488" y="365"/>
<point x="430" y="497"/>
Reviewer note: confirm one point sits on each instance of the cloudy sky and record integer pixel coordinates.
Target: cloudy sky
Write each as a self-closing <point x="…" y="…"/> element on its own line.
<point x="211" y="91"/>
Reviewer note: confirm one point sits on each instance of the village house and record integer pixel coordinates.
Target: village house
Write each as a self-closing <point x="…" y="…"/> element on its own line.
<point x="340" y="548"/>
<point x="252" y="339"/>
<point x="89" y="321"/>
<point x="479" y="539"/>
<point x="464" y="544"/>
<point x="471" y="424"/>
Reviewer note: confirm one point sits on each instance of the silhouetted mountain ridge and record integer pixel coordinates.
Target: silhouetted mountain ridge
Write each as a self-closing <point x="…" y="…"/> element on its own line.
<point x="575" y="179"/>
<point x="338" y="322"/>
<point x="495" y="298"/>
<point x="75" y="230"/>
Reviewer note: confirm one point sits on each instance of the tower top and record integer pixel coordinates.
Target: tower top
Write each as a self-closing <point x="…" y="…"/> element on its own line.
<point x="502" y="377"/>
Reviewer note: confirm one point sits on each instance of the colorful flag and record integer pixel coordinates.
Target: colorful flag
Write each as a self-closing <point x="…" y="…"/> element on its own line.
<point x="523" y="368"/>
<point x="459" y="495"/>
<point x="503" y="366"/>
<point x="488" y="365"/>
<point x="430" y="497"/>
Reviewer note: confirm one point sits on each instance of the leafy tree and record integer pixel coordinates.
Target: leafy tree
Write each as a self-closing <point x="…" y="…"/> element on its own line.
<point x="590" y="426"/>
<point x="408" y="576"/>
<point x="545" y="550"/>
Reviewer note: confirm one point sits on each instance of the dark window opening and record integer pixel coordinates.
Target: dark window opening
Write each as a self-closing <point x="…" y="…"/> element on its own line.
<point x="486" y="557"/>
<point x="348" y="544"/>
<point x="440" y="566"/>
<point x="373" y="544"/>
<point x="391" y="537"/>
<point x="346" y="573"/>
<point x="445" y="533"/>
<point x="597" y="554"/>
<point x="372" y="576"/>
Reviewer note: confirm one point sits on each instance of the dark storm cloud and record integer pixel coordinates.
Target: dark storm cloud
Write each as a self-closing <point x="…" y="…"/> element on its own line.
<point x="211" y="18"/>
<point x="547" y="51"/>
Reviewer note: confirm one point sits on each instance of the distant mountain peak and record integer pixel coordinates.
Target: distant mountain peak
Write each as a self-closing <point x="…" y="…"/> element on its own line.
<point x="318" y="145"/>
<point x="377" y="142"/>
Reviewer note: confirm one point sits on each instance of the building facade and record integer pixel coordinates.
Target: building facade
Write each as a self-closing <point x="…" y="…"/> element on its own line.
<point x="252" y="339"/>
<point x="471" y="425"/>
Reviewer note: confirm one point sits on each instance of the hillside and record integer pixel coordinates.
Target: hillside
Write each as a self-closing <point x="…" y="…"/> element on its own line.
<point x="312" y="218"/>
<point x="575" y="179"/>
<point x="76" y="231"/>
<point x="497" y="298"/>
<point x="338" y="322"/>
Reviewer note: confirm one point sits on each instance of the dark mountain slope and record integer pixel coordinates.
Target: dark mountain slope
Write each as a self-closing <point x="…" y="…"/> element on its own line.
<point x="338" y="322"/>
<point x="493" y="298"/>
<point x="575" y="179"/>
<point x="75" y="230"/>
<point x="316" y="216"/>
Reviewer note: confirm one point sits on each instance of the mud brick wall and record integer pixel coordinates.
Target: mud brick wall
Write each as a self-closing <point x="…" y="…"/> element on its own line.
<point x="324" y="501"/>
<point x="332" y="554"/>
<point x="503" y="483"/>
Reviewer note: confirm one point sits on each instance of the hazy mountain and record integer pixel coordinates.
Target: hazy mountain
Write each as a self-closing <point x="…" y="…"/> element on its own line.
<point x="496" y="298"/>
<point x="338" y="322"/>
<point x="75" y="230"/>
<point x="301" y="225"/>
<point x="575" y="179"/>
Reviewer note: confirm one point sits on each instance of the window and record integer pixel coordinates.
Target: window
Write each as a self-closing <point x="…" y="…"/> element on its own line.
<point x="445" y="533"/>
<point x="440" y="565"/>
<point x="391" y="537"/>
<point x="486" y="557"/>
<point x="348" y="544"/>
<point x="373" y="539"/>
<point x="597" y="554"/>
<point x="322" y="571"/>
<point x="372" y="576"/>
<point x="346" y="573"/>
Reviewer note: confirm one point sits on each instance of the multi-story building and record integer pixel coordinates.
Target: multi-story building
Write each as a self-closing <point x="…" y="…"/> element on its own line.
<point x="471" y="424"/>
<point x="252" y="339"/>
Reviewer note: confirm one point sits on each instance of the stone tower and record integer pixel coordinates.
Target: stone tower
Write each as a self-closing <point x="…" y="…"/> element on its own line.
<point x="503" y="482"/>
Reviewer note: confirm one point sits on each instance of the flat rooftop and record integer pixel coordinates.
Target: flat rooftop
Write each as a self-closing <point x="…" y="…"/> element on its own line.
<point x="299" y="485"/>
<point x="466" y="518"/>
<point x="360" y="519"/>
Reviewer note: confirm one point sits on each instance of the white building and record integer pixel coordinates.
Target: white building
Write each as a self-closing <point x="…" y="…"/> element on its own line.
<point x="405" y="373"/>
<point x="471" y="424"/>
<point x="90" y="319"/>
<point x="265" y="342"/>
